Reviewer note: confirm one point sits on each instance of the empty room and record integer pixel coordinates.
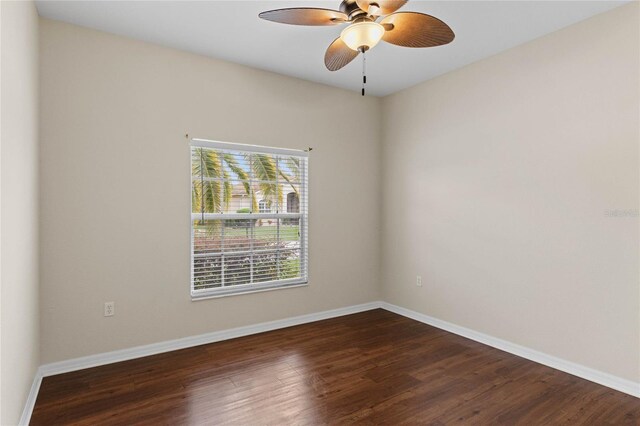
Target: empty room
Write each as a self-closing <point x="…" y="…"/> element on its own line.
<point x="319" y="212"/>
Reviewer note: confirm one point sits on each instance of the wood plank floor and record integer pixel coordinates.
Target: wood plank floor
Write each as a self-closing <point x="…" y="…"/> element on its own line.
<point x="372" y="368"/>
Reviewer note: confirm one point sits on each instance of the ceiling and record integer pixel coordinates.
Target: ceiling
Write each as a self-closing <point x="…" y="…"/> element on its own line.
<point x="231" y="30"/>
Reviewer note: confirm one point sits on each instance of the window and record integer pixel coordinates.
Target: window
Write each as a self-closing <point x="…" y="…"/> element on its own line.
<point x="293" y="203"/>
<point x="248" y="218"/>
<point x="263" y="207"/>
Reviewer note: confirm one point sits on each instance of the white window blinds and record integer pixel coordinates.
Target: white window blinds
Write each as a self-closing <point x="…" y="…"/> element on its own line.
<point x="248" y="218"/>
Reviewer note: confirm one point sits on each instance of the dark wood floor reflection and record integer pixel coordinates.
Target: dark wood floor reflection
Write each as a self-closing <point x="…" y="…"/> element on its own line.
<point x="372" y="367"/>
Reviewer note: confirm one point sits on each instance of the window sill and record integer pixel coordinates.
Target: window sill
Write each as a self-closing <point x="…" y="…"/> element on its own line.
<point x="218" y="293"/>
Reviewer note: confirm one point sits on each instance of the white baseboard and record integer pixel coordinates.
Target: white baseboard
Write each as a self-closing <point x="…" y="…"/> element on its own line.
<point x="202" y="339"/>
<point x="596" y="376"/>
<point x="31" y="399"/>
<point x="605" y="379"/>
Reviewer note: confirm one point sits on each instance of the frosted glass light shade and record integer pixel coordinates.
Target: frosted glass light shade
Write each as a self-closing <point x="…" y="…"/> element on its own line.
<point x="362" y="34"/>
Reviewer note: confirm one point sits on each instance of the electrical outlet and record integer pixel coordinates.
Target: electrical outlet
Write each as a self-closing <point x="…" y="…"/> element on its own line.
<point x="418" y="280"/>
<point x="109" y="309"/>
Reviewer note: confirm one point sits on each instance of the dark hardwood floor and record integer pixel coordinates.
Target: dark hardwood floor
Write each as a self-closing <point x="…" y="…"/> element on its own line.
<point x="374" y="368"/>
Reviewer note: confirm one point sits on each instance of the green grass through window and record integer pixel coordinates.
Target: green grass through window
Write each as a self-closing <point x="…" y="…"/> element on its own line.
<point x="287" y="232"/>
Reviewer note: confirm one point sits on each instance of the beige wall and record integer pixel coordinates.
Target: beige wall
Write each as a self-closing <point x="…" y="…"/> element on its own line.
<point x="115" y="188"/>
<point x="505" y="170"/>
<point x="499" y="178"/>
<point x="19" y="207"/>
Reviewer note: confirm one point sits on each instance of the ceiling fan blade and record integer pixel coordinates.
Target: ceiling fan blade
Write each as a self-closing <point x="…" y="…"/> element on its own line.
<point x="413" y="29"/>
<point x="338" y="55"/>
<point x="305" y="16"/>
<point x="385" y="7"/>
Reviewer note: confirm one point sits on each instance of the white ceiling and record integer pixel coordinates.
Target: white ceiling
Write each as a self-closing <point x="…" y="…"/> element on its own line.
<point x="231" y="30"/>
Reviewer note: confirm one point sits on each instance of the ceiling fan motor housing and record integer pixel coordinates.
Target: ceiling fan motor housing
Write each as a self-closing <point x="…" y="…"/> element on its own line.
<point x="351" y="9"/>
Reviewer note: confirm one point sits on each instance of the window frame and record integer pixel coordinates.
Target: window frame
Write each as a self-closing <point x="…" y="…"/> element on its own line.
<point x="302" y="216"/>
<point x="263" y="207"/>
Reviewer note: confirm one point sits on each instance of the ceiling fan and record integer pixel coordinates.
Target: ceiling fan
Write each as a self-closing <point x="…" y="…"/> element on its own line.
<point x="409" y="29"/>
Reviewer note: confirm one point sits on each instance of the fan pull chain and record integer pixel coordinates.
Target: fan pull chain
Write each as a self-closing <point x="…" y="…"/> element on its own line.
<point x="364" y="71"/>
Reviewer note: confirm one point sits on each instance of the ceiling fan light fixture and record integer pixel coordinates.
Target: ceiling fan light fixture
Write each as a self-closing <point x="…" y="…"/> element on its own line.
<point x="362" y="35"/>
